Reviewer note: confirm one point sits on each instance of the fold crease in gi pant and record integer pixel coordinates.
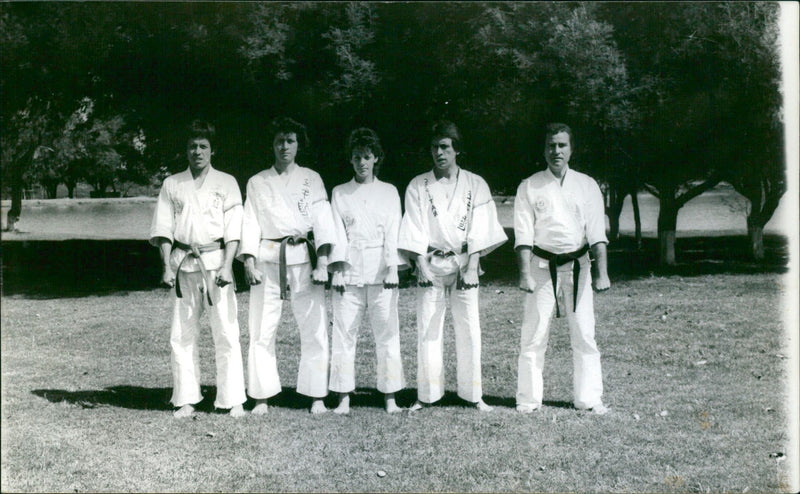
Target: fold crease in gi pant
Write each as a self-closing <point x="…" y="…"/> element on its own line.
<point x="431" y="305"/>
<point x="184" y="359"/>
<point x="348" y="311"/>
<point x="538" y="311"/>
<point x="308" y="307"/>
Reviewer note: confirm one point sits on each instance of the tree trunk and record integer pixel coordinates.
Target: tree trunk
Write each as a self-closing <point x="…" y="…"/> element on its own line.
<point x="12" y="217"/>
<point x="71" y="189"/>
<point x="50" y="188"/>
<point x="667" y="226"/>
<point x="616" y="201"/>
<point x="755" y="234"/>
<point x="637" y="219"/>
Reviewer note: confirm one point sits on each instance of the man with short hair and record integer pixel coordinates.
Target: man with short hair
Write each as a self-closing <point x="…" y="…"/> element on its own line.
<point x="197" y="225"/>
<point x="558" y="217"/>
<point x="449" y="223"/>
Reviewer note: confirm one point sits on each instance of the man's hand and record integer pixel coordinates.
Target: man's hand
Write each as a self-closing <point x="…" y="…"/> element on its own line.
<point x="252" y="275"/>
<point x="526" y="282"/>
<point x="469" y="279"/>
<point x="168" y="277"/>
<point x="601" y="283"/>
<point x="320" y="275"/>
<point x="337" y="283"/>
<point x="391" y="280"/>
<point x="224" y="276"/>
<point x="424" y="275"/>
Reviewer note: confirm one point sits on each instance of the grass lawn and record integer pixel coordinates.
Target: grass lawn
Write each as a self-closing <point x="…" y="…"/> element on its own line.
<point x="698" y="401"/>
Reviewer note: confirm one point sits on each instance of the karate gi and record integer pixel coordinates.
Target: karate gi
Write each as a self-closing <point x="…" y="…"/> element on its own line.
<point x="559" y="218"/>
<point x="367" y="218"/>
<point x="277" y="206"/>
<point x="448" y="231"/>
<point x="199" y="216"/>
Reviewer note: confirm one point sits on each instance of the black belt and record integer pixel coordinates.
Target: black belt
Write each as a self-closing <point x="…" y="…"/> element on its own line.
<point x="308" y="239"/>
<point x="555" y="260"/>
<point x="194" y="251"/>
<point x="447" y="253"/>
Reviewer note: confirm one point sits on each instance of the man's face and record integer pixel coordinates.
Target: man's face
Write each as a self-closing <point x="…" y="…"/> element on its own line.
<point x="443" y="153"/>
<point x="363" y="161"/>
<point x="198" y="152"/>
<point x="557" y="150"/>
<point x="285" y="147"/>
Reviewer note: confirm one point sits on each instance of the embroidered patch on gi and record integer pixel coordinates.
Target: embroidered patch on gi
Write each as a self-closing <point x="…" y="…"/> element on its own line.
<point x="541" y="205"/>
<point x="217" y="199"/>
<point x="177" y="204"/>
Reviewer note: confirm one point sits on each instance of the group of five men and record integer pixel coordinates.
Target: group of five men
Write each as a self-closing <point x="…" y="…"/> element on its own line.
<point x="292" y="241"/>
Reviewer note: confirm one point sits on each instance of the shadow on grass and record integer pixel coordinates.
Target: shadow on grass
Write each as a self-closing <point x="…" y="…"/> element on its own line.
<point x="79" y="268"/>
<point x="141" y="398"/>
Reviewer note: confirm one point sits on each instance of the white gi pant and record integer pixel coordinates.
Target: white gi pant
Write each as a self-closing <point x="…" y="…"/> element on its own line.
<point x="348" y="310"/>
<point x="183" y="341"/>
<point x="431" y="305"/>
<point x="587" y="376"/>
<point x="308" y="306"/>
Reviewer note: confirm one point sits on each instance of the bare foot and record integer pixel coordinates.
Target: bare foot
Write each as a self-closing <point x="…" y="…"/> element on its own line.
<point x="526" y="408"/>
<point x="417" y="406"/>
<point x="237" y="411"/>
<point x="482" y="406"/>
<point x="318" y="407"/>
<point x="391" y="405"/>
<point x="344" y="405"/>
<point x="183" y="412"/>
<point x="600" y="409"/>
<point x="261" y="408"/>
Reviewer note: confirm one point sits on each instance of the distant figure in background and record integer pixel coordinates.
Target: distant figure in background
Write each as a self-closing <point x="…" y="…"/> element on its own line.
<point x="197" y="225"/>
<point x="449" y="223"/>
<point x="364" y="263"/>
<point x="558" y="216"/>
<point x="287" y="234"/>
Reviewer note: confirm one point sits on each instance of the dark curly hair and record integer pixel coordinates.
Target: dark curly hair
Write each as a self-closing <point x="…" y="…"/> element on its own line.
<point x="286" y="125"/>
<point x="201" y="129"/>
<point x="364" y="138"/>
<point x="552" y="129"/>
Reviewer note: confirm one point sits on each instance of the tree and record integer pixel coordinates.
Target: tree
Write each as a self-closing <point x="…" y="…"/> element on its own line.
<point x="684" y="86"/>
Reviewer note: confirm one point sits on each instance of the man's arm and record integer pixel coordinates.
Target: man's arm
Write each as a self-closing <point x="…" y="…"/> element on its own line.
<point x="225" y="273"/>
<point x="601" y="282"/>
<point x="470" y="277"/>
<point x="165" y="249"/>
<point x="526" y="282"/>
<point x="320" y="274"/>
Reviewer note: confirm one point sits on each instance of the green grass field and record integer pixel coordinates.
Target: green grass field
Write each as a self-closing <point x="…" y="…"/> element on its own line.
<point x="698" y="403"/>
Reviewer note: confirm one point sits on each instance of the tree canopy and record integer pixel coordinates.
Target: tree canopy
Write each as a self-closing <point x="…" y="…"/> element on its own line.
<point x="664" y="96"/>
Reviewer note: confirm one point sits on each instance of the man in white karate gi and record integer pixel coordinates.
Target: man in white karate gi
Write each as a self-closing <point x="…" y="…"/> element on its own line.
<point x="449" y="223"/>
<point x="197" y="225"/>
<point x="558" y="217"/>
<point x="287" y="233"/>
<point x="365" y="263"/>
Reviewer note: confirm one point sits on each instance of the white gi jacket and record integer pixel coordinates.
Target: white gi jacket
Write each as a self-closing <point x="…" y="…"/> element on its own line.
<point x="289" y="205"/>
<point x="559" y="218"/>
<point x="465" y="224"/>
<point x="199" y="216"/>
<point x="367" y="218"/>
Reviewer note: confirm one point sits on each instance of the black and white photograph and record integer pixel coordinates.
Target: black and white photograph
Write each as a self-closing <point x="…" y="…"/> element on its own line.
<point x="542" y="247"/>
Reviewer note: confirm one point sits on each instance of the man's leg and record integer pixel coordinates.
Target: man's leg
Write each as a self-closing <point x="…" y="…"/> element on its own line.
<point x="431" y="305"/>
<point x="348" y="309"/>
<point x="228" y="350"/>
<point x="308" y="306"/>
<point x="184" y="358"/>
<point x="464" y="305"/>
<point x="537" y="312"/>
<point x="587" y="375"/>
<point x="264" y="315"/>
<point x="382" y="305"/>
